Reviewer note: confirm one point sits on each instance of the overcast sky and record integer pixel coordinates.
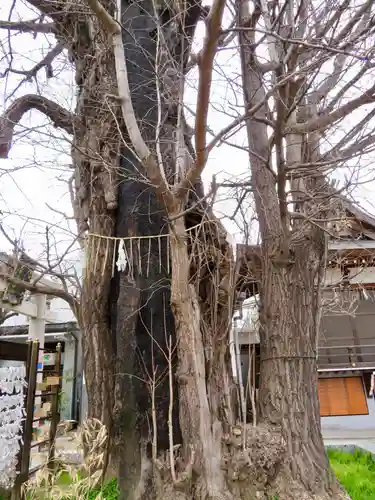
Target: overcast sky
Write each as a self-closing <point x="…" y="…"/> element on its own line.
<point x="34" y="177"/>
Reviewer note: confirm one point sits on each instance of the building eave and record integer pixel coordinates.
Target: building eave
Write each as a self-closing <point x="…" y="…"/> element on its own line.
<point x="23" y="330"/>
<point x="348" y="369"/>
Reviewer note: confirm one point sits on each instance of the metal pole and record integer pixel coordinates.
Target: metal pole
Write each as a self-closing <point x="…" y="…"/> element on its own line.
<point x="239" y="374"/>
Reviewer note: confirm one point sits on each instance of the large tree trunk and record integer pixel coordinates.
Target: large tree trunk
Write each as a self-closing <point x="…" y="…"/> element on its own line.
<point x="127" y="318"/>
<point x="288" y="370"/>
<point x="202" y="430"/>
<point x="292" y="261"/>
<point x="142" y="321"/>
<point x="142" y="349"/>
<point x="95" y="157"/>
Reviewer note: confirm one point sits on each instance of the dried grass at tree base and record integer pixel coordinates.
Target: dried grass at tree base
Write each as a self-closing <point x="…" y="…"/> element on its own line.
<point x="72" y="481"/>
<point x="253" y="463"/>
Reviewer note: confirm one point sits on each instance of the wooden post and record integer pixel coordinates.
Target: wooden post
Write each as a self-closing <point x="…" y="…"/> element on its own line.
<point x="16" y="492"/>
<point x="55" y="411"/>
<point x="28" y="423"/>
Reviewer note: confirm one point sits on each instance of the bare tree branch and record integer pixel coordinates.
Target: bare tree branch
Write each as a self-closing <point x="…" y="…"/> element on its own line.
<point x="358" y="14"/>
<point x="153" y="169"/>
<point x="326" y="119"/>
<point x="355" y="149"/>
<point x="39" y="266"/>
<point x="40" y="288"/>
<point x="46" y="62"/>
<point x="35" y="286"/>
<point x="308" y="45"/>
<point x="205" y="65"/>
<point x="28" y="27"/>
<point x="59" y="116"/>
<point x="321" y="28"/>
<point x="48" y="7"/>
<point x="349" y="85"/>
<point x="329" y="83"/>
<point x="105" y="18"/>
<point x="225" y="39"/>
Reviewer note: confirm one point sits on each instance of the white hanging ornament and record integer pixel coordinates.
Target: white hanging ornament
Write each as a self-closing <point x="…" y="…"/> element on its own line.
<point x="12" y="382"/>
<point x="121" y="259"/>
<point x="371" y="393"/>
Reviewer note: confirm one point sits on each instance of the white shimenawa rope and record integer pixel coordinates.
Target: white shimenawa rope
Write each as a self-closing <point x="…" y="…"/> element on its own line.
<point x="133" y="253"/>
<point x="12" y="413"/>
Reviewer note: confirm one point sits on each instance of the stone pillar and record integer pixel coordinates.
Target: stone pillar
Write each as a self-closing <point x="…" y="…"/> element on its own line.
<point x="68" y="381"/>
<point x="37" y="328"/>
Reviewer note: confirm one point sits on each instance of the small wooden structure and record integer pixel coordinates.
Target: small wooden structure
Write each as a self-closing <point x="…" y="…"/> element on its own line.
<point x="29" y="354"/>
<point x="35" y="307"/>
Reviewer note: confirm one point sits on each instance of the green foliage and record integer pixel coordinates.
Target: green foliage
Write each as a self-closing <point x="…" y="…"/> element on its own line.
<point x="108" y="492"/>
<point x="355" y="471"/>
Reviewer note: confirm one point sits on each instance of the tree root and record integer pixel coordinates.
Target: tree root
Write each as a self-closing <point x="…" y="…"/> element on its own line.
<point x="255" y="466"/>
<point x="283" y="488"/>
<point x="254" y="456"/>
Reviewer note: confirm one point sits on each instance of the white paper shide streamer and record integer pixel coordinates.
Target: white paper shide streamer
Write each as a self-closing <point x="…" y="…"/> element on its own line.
<point x="12" y="413"/>
<point x="122" y="261"/>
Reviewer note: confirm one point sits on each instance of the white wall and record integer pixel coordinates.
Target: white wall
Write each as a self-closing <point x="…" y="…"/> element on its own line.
<point x="62" y="310"/>
<point x="357" y="275"/>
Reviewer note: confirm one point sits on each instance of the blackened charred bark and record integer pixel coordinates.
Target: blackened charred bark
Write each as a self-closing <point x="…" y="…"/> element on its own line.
<point x="141" y="314"/>
<point x="142" y="320"/>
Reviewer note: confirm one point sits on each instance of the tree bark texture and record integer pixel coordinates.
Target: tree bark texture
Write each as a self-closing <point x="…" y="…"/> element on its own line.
<point x="202" y="429"/>
<point x="142" y="321"/>
<point x="127" y="316"/>
<point x="288" y="371"/>
<point x="95" y="155"/>
<point x="128" y="319"/>
<point x="140" y="213"/>
<point x="292" y="260"/>
<point x="139" y="314"/>
<point x="95" y="151"/>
